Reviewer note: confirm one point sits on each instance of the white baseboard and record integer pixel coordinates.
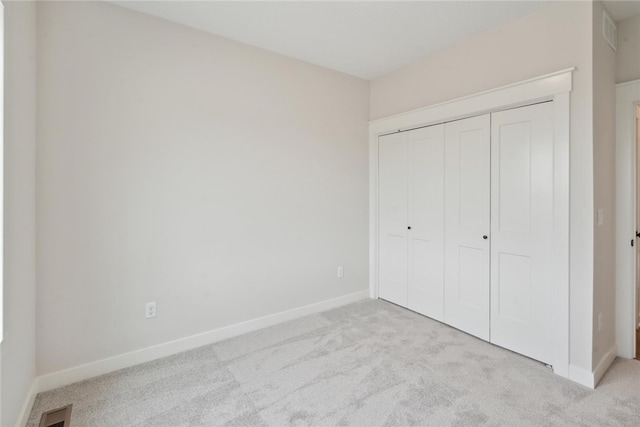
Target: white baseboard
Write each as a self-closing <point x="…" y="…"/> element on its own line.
<point x="581" y="376"/>
<point x="25" y="411"/>
<point x="591" y="379"/>
<point x="104" y="366"/>
<point x="604" y="364"/>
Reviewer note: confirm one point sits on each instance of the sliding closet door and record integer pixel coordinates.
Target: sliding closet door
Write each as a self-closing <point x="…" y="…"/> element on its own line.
<point x="426" y="220"/>
<point x="467" y="224"/>
<point x="522" y="230"/>
<point x="392" y="216"/>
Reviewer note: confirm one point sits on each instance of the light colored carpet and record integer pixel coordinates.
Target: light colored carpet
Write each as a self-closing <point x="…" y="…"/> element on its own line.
<point x="366" y="364"/>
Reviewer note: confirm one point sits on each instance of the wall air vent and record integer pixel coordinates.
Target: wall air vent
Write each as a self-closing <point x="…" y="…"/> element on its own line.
<point x="56" y="417"/>
<point x="609" y="30"/>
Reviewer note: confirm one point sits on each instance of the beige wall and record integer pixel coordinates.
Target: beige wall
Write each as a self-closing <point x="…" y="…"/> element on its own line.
<point x="19" y="346"/>
<point x="604" y="107"/>
<point x="222" y="181"/>
<point x="628" y="54"/>
<point x="548" y="40"/>
<point x="553" y="38"/>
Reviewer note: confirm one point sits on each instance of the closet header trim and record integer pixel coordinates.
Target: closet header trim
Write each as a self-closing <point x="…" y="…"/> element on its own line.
<point x="538" y="89"/>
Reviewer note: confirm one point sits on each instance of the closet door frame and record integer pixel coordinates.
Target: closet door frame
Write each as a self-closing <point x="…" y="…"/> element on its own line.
<point x="554" y="87"/>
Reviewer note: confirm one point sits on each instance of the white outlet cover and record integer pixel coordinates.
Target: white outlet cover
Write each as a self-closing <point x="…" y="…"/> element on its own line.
<point x="150" y="310"/>
<point x="599" y="322"/>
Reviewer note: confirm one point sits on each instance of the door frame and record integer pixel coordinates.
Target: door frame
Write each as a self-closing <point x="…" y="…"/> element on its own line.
<point x="554" y="87"/>
<point x="627" y="97"/>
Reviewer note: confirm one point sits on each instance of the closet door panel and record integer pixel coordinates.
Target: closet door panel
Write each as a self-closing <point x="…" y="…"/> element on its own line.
<point x="392" y="214"/>
<point x="467" y="209"/>
<point x="522" y="230"/>
<point x="426" y="219"/>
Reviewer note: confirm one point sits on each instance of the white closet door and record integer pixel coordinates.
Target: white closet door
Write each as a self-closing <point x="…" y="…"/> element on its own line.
<point x="522" y="230"/>
<point x="426" y="221"/>
<point x="467" y="224"/>
<point x="392" y="217"/>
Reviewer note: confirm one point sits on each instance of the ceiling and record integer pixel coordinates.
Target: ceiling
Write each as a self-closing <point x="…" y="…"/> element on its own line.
<point x="366" y="39"/>
<point x="620" y="10"/>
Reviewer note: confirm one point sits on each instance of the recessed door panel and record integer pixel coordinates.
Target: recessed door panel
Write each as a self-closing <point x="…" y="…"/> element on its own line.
<point x="473" y="169"/>
<point x="393" y="269"/>
<point x="392" y="214"/>
<point x="426" y="272"/>
<point x="522" y="230"/>
<point x="426" y="219"/>
<point x="514" y="176"/>
<point x="467" y="202"/>
<point x="470" y="294"/>
<point x="514" y="287"/>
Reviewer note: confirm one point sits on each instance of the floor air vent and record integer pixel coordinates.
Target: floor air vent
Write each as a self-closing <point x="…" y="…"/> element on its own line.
<point x="56" y="417"/>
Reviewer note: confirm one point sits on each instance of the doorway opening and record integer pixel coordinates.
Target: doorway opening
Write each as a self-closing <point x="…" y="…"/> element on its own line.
<point x="627" y="218"/>
<point x="636" y="318"/>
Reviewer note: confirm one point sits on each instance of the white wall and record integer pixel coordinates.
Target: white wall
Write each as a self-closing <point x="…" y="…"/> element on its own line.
<point x="553" y="38"/>
<point x="220" y="180"/>
<point x="19" y="346"/>
<point x="604" y="119"/>
<point x="628" y="54"/>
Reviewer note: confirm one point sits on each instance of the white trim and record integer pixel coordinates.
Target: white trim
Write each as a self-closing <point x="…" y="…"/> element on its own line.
<point x="25" y="411"/>
<point x="604" y="364"/>
<point x="78" y="373"/>
<point x="581" y="376"/>
<point x="373" y="215"/>
<point x="627" y="95"/>
<point x="591" y="379"/>
<point x="2" y="179"/>
<point x="517" y="94"/>
<point x="561" y="161"/>
<point x="556" y="87"/>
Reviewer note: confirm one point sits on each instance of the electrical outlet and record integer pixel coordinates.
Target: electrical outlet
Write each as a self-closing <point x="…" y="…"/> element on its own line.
<point x="340" y="272"/>
<point x="599" y="322"/>
<point x="150" y="310"/>
<point x="600" y="216"/>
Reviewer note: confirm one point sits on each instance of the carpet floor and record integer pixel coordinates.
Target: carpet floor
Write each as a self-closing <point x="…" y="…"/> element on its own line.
<point x="366" y="364"/>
